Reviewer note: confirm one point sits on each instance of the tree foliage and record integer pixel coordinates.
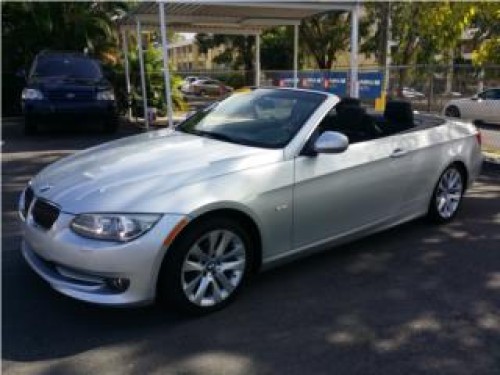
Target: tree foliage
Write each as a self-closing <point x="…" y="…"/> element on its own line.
<point x="425" y="33"/>
<point x="238" y="51"/>
<point x="486" y="39"/>
<point x="277" y="49"/>
<point x="431" y="32"/>
<point x="324" y="36"/>
<point x="29" y="27"/>
<point x="155" y="83"/>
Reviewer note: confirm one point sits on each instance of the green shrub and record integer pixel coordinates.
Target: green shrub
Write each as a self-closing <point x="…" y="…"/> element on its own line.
<point x="235" y="80"/>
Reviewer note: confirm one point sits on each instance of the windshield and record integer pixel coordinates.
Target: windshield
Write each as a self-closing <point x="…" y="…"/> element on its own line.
<point x="267" y="118"/>
<point x="67" y="67"/>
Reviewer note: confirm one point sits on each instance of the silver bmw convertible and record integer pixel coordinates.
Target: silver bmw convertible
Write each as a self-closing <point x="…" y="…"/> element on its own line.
<point x="187" y="215"/>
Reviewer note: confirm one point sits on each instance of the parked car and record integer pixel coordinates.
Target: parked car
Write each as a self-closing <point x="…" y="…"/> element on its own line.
<point x="411" y="93"/>
<point x="68" y="87"/>
<point x="484" y="107"/>
<point x="187" y="215"/>
<point x="186" y="86"/>
<point x="210" y="87"/>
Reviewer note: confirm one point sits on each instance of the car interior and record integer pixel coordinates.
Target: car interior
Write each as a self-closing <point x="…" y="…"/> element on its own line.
<point x="351" y="119"/>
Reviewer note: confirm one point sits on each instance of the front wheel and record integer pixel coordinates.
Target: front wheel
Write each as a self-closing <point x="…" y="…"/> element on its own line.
<point x="452" y="111"/>
<point x="206" y="268"/>
<point x="447" y="195"/>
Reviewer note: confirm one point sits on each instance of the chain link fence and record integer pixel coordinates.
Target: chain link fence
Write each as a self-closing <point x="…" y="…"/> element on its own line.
<point x="463" y="91"/>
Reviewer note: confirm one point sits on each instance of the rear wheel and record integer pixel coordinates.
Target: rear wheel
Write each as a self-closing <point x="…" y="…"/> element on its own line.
<point x="207" y="266"/>
<point x="447" y="195"/>
<point x="452" y="111"/>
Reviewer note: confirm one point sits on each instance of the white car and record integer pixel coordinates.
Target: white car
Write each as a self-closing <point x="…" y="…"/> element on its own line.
<point x="484" y="107"/>
<point x="411" y="93"/>
<point x="211" y="87"/>
<point x="187" y="215"/>
<point x="187" y="85"/>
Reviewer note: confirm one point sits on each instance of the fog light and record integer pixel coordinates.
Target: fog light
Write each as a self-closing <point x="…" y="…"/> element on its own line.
<point x="118" y="284"/>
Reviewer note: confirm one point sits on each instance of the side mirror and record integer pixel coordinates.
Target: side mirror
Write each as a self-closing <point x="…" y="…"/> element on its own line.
<point x="331" y="143"/>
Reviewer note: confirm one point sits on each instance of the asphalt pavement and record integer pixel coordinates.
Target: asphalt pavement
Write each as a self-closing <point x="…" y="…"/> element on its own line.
<point x="417" y="299"/>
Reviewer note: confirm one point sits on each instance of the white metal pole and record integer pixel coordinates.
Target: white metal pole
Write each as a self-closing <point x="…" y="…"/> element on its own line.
<point x="295" y="55"/>
<point x="143" y="77"/>
<point x="257" y="60"/>
<point x="166" y="71"/>
<point x="127" y="72"/>
<point x="388" y="50"/>
<point x="354" y="89"/>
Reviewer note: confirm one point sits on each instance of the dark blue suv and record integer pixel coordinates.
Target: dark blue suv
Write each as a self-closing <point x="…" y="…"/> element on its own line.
<point x="68" y="87"/>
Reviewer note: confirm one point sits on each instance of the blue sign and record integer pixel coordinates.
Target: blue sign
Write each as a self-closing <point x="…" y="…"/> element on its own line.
<point x="370" y="83"/>
<point x="336" y="83"/>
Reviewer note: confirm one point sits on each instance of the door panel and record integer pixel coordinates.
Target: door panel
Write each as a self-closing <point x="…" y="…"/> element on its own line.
<point x="424" y="153"/>
<point x="336" y="194"/>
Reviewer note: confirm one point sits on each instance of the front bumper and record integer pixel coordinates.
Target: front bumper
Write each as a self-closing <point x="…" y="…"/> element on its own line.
<point x="47" y="111"/>
<point x="81" y="268"/>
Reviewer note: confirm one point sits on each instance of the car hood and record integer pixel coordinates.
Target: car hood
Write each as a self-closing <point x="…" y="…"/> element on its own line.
<point x="119" y="176"/>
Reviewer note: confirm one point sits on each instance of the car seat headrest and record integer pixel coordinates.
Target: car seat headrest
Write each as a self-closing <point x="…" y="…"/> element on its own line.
<point x="347" y="102"/>
<point x="400" y="112"/>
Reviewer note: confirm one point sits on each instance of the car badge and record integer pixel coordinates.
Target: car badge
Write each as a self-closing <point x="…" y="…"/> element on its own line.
<point x="45" y="188"/>
<point x="70" y="95"/>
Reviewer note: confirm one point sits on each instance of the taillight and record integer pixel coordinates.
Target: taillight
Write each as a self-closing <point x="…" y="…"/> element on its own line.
<point x="478" y="137"/>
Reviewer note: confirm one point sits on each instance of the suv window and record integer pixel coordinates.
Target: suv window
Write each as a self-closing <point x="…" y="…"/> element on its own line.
<point x="66" y="66"/>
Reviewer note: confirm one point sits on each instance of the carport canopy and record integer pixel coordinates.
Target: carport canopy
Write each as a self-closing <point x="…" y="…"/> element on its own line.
<point x="230" y="18"/>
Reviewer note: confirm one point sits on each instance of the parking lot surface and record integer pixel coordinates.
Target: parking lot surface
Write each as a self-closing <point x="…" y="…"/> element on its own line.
<point x="417" y="299"/>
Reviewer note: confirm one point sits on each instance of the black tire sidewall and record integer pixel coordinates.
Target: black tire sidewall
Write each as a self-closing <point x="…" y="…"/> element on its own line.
<point x="433" y="212"/>
<point x="455" y="112"/>
<point x="169" y="287"/>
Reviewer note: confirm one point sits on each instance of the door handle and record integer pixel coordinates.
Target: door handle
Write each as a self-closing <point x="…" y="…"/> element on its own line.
<point x="399" y="152"/>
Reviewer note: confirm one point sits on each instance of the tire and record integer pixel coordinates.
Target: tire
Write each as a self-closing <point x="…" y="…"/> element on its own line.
<point x="452" y="111"/>
<point x="447" y="196"/>
<point x="30" y="127"/>
<point x="193" y="282"/>
<point x="111" y="126"/>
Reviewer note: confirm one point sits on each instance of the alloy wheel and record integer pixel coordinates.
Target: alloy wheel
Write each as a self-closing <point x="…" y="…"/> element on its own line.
<point x="449" y="193"/>
<point x="213" y="268"/>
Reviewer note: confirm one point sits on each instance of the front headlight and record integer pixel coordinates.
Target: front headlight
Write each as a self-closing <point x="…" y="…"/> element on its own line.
<point x="113" y="227"/>
<point x="31" y="94"/>
<point x="106" y="95"/>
